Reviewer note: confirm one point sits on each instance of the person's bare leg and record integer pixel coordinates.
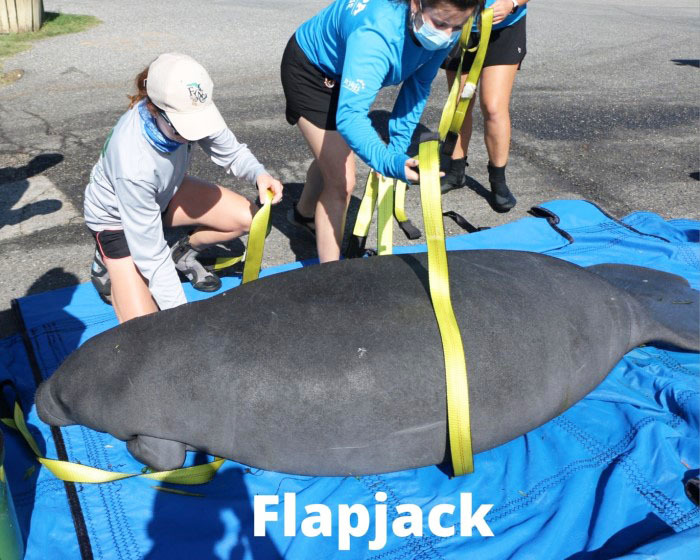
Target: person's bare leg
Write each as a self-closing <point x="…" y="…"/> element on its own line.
<point x="130" y="294"/>
<point x="311" y="192"/>
<point x="336" y="164"/>
<point x="496" y="87"/>
<point x="220" y="214"/>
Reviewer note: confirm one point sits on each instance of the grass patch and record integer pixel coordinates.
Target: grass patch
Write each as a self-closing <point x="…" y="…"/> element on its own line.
<point x="54" y="24"/>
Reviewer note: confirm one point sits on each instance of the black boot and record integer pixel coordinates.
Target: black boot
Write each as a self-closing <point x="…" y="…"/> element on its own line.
<point x="502" y="200"/>
<point x="455" y="177"/>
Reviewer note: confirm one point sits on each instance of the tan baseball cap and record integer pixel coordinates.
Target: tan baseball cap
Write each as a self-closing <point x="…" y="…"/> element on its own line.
<point x="181" y="87"/>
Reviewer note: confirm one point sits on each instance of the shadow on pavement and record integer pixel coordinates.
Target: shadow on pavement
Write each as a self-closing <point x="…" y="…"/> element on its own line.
<point x="694" y="62"/>
<point x="53" y="279"/>
<point x="14" y="182"/>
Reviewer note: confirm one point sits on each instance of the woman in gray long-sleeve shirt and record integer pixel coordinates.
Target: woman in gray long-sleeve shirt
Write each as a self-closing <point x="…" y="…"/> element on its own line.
<point x="140" y="185"/>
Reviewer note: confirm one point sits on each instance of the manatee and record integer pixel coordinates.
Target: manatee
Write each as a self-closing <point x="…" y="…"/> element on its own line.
<point x="338" y="369"/>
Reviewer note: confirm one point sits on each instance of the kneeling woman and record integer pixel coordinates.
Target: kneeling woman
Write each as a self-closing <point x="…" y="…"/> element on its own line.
<point x="140" y="184"/>
<point x="333" y="68"/>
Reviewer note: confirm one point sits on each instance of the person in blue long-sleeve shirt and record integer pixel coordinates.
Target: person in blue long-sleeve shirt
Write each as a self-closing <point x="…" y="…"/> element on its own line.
<point x="333" y="68"/>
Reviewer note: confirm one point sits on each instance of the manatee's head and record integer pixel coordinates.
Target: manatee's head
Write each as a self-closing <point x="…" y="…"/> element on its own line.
<point x="75" y="392"/>
<point x="50" y="407"/>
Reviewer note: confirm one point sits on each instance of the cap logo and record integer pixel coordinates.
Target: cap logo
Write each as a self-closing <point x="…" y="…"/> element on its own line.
<point x="197" y="94"/>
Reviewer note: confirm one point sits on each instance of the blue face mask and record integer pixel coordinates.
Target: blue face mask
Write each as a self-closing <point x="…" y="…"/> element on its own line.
<point x="153" y="134"/>
<point x="430" y="38"/>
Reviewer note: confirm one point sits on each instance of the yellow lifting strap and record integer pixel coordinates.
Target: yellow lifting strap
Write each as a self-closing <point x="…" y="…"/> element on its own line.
<point x="456" y="384"/>
<point x="400" y="201"/>
<point x="369" y="201"/>
<point x="385" y="216"/>
<point x="451" y="104"/>
<point x="469" y="89"/>
<point x="379" y="190"/>
<point x="411" y="231"/>
<point x="75" y="472"/>
<point x="256" y="244"/>
<point x="457" y="102"/>
<point x="256" y="241"/>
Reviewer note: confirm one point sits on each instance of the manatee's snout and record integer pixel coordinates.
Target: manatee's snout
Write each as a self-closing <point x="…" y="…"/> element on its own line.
<point x="49" y="408"/>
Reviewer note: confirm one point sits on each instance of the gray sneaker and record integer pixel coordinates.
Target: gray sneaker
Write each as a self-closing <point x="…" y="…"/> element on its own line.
<point x="186" y="262"/>
<point x="99" y="276"/>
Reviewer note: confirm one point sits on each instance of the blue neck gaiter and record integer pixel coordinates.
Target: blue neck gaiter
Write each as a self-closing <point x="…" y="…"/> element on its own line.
<point x="153" y="134"/>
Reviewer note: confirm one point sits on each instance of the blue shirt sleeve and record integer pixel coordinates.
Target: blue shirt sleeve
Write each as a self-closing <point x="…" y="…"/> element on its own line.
<point x="364" y="69"/>
<point x="411" y="102"/>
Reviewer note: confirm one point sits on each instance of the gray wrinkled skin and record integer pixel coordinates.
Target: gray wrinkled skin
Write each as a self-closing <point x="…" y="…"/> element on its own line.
<point x="338" y="369"/>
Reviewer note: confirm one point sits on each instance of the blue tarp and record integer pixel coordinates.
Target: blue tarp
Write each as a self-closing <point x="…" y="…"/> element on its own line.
<point x="603" y="480"/>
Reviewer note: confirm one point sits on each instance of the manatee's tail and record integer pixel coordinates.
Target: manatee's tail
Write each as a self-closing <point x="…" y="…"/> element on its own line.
<point x="672" y="306"/>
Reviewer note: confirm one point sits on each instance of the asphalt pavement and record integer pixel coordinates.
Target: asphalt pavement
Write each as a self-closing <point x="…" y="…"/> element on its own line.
<point x="605" y="109"/>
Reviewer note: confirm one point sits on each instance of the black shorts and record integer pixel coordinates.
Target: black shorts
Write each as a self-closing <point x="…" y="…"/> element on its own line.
<point x="507" y="45"/>
<point x="308" y="91"/>
<point x="111" y="243"/>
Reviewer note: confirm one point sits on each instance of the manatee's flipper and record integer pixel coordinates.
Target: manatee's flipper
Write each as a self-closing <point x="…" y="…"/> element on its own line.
<point x="159" y="454"/>
<point x="669" y="300"/>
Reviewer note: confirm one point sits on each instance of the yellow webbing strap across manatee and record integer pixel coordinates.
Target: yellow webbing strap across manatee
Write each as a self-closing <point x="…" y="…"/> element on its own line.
<point x="75" y="472"/>
<point x="455" y="364"/>
<point x="256" y="244"/>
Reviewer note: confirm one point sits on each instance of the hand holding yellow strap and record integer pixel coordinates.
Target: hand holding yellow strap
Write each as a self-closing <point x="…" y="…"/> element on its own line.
<point x="438" y="277"/>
